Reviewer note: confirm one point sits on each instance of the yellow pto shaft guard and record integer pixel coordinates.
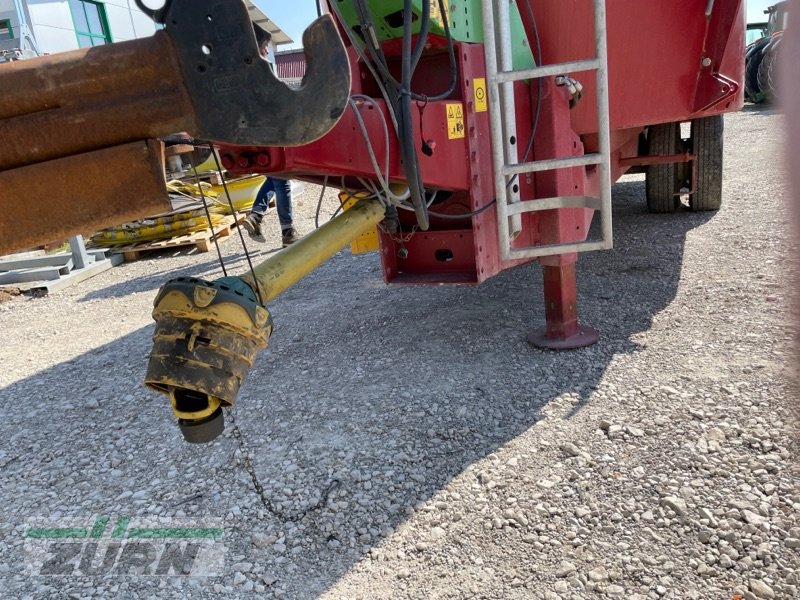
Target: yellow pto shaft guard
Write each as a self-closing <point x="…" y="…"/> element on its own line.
<point x="208" y="334"/>
<point x="277" y="274"/>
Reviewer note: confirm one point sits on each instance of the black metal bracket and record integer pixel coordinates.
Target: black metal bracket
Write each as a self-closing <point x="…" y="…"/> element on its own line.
<point x="236" y="96"/>
<point x="157" y="14"/>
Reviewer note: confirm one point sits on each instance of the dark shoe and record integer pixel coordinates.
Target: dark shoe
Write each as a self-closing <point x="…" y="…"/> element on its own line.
<point x="289" y="237"/>
<point x="252" y="223"/>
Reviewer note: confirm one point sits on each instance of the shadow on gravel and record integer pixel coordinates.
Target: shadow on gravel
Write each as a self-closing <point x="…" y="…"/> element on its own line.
<point x="385" y="394"/>
<point x="235" y="263"/>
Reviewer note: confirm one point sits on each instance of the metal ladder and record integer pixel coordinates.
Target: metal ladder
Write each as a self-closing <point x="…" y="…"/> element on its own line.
<point x="500" y="83"/>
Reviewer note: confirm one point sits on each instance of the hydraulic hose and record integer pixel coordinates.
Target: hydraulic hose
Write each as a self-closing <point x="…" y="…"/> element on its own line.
<point x="406" y="133"/>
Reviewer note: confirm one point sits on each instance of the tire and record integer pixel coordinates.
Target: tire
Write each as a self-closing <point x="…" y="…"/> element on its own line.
<point x="767" y="72"/>
<point x="662" y="182"/>
<point x="707" y="145"/>
<point x="751" y="69"/>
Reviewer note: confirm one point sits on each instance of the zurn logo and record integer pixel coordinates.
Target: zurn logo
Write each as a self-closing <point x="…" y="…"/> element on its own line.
<point x="154" y="547"/>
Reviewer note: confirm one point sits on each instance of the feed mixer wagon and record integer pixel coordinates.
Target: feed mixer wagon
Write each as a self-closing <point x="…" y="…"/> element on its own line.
<point x="467" y="138"/>
<point x="509" y="121"/>
<point x="492" y="131"/>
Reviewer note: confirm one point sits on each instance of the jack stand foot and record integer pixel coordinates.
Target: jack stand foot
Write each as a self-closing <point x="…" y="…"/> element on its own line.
<point x="586" y="336"/>
<point x="561" y="312"/>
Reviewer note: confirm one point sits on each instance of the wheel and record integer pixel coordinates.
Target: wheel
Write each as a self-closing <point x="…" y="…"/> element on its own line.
<point x="751" y="85"/>
<point x="662" y="182"/>
<point x="707" y="144"/>
<point x="767" y="73"/>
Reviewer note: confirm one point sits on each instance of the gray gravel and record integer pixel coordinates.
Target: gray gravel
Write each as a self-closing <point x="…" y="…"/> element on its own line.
<point x="412" y="445"/>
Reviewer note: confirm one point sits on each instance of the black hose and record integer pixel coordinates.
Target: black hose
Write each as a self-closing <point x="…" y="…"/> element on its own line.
<point x="319" y="202"/>
<point x="406" y="133"/>
<point x="364" y="15"/>
<point x="401" y="103"/>
<point x="365" y="19"/>
<point x="422" y="39"/>
<point x="474" y="213"/>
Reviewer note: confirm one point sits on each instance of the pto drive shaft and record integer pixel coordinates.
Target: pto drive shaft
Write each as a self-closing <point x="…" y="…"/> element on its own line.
<point x="208" y="334"/>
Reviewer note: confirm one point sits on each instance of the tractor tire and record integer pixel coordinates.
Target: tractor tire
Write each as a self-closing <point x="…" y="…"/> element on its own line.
<point x="751" y="83"/>
<point x="707" y="145"/>
<point x="767" y="74"/>
<point x="662" y="182"/>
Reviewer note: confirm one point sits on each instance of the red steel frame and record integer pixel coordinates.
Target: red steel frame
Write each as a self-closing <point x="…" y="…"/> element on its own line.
<point x="668" y="61"/>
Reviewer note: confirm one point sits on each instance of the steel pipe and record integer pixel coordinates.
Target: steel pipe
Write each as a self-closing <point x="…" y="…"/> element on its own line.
<point x="79" y="101"/>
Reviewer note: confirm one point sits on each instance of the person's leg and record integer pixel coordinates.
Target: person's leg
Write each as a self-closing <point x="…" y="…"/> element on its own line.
<point x="261" y="204"/>
<point x="253" y="221"/>
<point x="283" y="200"/>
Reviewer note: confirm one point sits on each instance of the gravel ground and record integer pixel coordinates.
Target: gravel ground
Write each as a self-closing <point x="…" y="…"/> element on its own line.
<point x="409" y="442"/>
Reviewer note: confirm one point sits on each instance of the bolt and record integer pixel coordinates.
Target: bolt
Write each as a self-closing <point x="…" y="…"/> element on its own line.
<point x="706" y="62"/>
<point x="227" y="161"/>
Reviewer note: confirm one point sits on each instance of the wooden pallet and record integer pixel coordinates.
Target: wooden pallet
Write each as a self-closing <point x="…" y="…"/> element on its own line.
<point x="187" y="176"/>
<point x="203" y="241"/>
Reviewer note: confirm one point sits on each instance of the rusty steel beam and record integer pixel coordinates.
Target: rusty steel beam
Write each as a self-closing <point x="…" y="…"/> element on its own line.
<point x="82" y="100"/>
<point x="82" y="193"/>
<point x="73" y="126"/>
<point x="202" y="74"/>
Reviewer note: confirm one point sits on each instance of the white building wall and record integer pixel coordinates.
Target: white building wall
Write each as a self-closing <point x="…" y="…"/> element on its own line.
<point x="126" y="21"/>
<point x="8" y="12"/>
<point x="10" y="15"/>
<point x="52" y="24"/>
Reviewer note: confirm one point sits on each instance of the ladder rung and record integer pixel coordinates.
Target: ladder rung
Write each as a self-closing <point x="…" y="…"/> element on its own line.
<point x="525" y="206"/>
<point x="552" y="164"/>
<point x="548" y="70"/>
<point x="555" y="249"/>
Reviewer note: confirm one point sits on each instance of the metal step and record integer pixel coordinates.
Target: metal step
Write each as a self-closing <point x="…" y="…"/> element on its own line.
<point x="548" y="71"/>
<point x="552" y="164"/>
<point x="500" y="77"/>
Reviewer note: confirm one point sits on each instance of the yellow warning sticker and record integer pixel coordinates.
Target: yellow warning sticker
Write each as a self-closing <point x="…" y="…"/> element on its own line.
<point x="455" y="121"/>
<point x="480" y="94"/>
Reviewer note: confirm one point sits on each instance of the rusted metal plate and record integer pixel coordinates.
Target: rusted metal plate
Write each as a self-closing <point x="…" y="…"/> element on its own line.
<point x="80" y="194"/>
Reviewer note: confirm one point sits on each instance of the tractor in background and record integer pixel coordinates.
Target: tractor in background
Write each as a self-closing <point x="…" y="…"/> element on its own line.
<point x="761" y="57"/>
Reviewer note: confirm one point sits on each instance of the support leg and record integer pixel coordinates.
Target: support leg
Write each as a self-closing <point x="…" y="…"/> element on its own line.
<point x="563" y="331"/>
<point x="555" y="137"/>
